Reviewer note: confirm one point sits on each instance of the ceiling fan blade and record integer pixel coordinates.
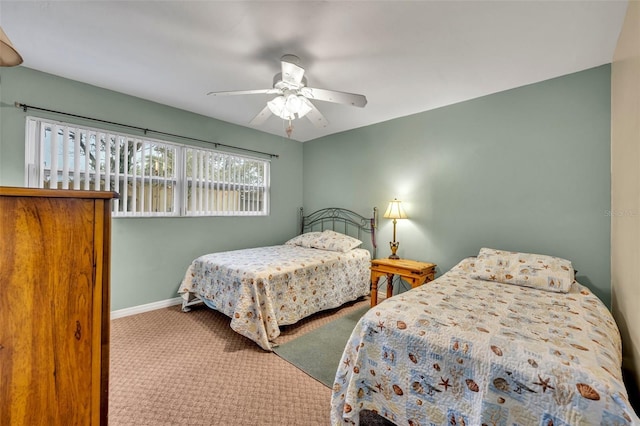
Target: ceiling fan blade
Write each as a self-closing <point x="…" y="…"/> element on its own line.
<point x="261" y="117"/>
<point x="292" y="73"/>
<point x="315" y="116"/>
<point x="334" y="96"/>
<point x="245" y="92"/>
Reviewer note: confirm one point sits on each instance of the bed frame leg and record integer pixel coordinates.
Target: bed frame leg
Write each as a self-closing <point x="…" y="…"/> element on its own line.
<point x="190" y="300"/>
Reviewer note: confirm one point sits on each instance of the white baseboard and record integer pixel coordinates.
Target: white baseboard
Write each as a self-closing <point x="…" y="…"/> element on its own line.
<point x="145" y="308"/>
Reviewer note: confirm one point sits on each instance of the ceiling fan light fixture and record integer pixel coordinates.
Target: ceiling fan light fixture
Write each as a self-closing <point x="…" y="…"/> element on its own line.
<point x="298" y="105"/>
<point x="289" y="107"/>
<point x="305" y="106"/>
<point x="278" y="107"/>
<point x="292" y="104"/>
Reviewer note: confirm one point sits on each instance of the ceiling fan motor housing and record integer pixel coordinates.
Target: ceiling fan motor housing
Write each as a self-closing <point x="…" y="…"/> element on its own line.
<point x="278" y="83"/>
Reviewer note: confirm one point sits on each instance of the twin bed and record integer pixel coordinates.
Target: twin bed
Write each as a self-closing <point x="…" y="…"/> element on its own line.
<point x="264" y="288"/>
<point x="501" y="339"/>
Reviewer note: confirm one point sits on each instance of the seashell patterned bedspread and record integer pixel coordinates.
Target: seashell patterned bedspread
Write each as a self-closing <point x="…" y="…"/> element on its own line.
<point x="459" y="351"/>
<point x="263" y="288"/>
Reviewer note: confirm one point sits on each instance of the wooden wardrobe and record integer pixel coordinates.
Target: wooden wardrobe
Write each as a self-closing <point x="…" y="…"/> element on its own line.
<point x="54" y="306"/>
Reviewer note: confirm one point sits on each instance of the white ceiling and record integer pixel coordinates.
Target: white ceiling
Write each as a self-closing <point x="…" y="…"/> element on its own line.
<point x="406" y="57"/>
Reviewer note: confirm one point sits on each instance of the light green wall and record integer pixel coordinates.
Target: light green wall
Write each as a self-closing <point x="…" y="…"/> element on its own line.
<point x="526" y="169"/>
<point x="150" y="255"/>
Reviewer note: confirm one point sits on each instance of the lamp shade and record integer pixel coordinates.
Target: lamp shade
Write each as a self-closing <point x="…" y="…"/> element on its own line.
<point x="9" y="57"/>
<point x="289" y="106"/>
<point x="395" y="210"/>
<point x="277" y="107"/>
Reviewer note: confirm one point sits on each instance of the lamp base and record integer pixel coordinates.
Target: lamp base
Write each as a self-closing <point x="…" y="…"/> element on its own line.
<point x="394" y="248"/>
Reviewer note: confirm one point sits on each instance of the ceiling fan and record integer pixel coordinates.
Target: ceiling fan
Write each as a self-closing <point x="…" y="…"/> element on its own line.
<point x="294" y="97"/>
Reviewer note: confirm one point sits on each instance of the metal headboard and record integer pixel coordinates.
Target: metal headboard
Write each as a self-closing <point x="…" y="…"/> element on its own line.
<point x="341" y="220"/>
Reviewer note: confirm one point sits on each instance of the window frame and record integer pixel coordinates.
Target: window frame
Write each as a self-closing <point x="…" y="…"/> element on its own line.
<point x="35" y="171"/>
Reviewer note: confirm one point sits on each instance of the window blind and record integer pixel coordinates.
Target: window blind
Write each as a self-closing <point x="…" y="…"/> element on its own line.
<point x="153" y="177"/>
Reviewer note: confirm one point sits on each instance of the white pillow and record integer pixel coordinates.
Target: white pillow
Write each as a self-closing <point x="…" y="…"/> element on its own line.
<point x="304" y="240"/>
<point x="539" y="271"/>
<point x="335" y="241"/>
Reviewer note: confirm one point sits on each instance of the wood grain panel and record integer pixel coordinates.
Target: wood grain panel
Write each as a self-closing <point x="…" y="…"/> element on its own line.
<point x="53" y="360"/>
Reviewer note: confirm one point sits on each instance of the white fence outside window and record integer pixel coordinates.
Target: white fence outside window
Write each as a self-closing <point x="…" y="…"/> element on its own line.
<point x="152" y="177"/>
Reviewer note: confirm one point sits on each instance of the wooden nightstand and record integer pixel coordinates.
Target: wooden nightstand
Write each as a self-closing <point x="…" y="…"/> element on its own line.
<point x="416" y="273"/>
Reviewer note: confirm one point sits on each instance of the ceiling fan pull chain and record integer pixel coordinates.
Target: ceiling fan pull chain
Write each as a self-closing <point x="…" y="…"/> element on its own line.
<point x="289" y="129"/>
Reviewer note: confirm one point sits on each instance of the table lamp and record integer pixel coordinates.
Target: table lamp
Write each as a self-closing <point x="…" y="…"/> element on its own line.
<point x="395" y="212"/>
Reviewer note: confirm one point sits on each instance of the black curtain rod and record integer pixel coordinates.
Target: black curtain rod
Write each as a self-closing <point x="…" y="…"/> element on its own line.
<point x="215" y="144"/>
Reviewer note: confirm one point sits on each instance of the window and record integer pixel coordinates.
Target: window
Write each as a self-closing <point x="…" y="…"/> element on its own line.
<point x="153" y="177"/>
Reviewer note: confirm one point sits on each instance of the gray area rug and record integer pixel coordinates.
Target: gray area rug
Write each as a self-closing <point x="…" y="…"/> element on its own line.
<point x="318" y="352"/>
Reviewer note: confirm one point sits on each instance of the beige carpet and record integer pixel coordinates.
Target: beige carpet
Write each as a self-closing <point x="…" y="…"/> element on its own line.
<point x="175" y="368"/>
